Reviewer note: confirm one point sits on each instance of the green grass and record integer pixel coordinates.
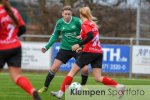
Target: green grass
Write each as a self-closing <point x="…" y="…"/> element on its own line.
<point x="10" y="91"/>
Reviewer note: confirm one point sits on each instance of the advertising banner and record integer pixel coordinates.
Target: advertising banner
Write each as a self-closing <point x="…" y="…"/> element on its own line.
<point x="33" y="58"/>
<point x="116" y="58"/>
<point x="141" y="59"/>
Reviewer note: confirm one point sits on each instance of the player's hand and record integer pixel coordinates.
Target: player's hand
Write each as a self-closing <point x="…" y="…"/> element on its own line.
<point x="79" y="37"/>
<point x="75" y="47"/>
<point x="79" y="50"/>
<point x="43" y="50"/>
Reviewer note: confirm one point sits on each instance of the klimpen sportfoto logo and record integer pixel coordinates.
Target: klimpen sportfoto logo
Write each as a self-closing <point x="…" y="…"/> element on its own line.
<point x="107" y="92"/>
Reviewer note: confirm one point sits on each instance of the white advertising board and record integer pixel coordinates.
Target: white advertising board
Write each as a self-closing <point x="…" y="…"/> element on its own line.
<point x="141" y="59"/>
<point x="33" y="58"/>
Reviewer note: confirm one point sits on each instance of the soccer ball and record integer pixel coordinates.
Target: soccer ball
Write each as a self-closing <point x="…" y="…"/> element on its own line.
<point x="75" y="87"/>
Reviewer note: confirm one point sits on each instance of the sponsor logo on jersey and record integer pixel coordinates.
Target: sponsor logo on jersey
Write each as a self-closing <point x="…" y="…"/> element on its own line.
<point x="73" y="26"/>
<point x="73" y="35"/>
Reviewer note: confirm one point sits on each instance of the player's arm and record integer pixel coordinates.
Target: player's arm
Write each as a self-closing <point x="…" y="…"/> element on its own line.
<point x="88" y="33"/>
<point x="22" y="30"/>
<point x="87" y="39"/>
<point x="54" y="37"/>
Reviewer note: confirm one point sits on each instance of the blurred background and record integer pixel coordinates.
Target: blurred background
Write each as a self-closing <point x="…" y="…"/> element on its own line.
<point x="117" y="18"/>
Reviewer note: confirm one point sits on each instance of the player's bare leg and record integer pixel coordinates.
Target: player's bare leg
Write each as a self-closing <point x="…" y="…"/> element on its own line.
<point x="107" y="81"/>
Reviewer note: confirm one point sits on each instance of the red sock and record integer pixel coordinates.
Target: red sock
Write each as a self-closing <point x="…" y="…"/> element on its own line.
<point x="109" y="81"/>
<point x="67" y="81"/>
<point x="24" y="83"/>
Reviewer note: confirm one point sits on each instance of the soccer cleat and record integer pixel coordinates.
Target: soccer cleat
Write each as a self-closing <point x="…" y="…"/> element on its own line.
<point x="121" y="89"/>
<point x="43" y="89"/>
<point x="36" y="96"/>
<point x="57" y="94"/>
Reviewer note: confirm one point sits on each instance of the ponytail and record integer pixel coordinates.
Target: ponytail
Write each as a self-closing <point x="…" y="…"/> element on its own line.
<point x="7" y="7"/>
<point x="86" y="12"/>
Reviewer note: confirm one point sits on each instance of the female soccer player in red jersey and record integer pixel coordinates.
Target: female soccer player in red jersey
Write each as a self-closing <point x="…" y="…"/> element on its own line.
<point x="92" y="54"/>
<point x="12" y="26"/>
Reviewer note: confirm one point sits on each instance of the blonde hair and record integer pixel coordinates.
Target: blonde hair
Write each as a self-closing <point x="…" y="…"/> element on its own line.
<point x="86" y="13"/>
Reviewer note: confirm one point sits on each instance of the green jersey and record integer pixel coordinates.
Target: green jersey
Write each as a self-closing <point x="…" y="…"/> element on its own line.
<point x="69" y="31"/>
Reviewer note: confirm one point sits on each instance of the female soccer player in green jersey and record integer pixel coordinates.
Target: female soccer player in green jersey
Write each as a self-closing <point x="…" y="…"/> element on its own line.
<point x="69" y="27"/>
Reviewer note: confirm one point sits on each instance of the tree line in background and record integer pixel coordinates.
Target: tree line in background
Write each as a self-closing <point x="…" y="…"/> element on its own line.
<point x="114" y="19"/>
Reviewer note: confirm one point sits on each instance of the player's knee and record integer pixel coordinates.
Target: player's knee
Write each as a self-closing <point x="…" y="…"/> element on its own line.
<point x="84" y="73"/>
<point x="85" y="70"/>
<point x="54" y="69"/>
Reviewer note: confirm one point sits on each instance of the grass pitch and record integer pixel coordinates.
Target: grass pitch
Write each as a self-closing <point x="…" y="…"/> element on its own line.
<point x="10" y="91"/>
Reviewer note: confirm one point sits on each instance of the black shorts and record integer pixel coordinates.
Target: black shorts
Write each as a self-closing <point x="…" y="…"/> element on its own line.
<point x="12" y="57"/>
<point x="65" y="55"/>
<point x="95" y="59"/>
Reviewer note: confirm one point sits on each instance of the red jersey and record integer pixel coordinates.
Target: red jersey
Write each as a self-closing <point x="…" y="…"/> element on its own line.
<point x="92" y="46"/>
<point x="8" y="31"/>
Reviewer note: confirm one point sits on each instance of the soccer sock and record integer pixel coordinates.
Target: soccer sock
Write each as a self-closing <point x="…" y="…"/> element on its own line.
<point x="49" y="78"/>
<point x="109" y="81"/>
<point x="24" y="83"/>
<point x="67" y="81"/>
<point x="84" y="78"/>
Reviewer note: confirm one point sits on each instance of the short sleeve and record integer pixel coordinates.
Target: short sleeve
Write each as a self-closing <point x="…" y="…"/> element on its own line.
<point x="86" y="28"/>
